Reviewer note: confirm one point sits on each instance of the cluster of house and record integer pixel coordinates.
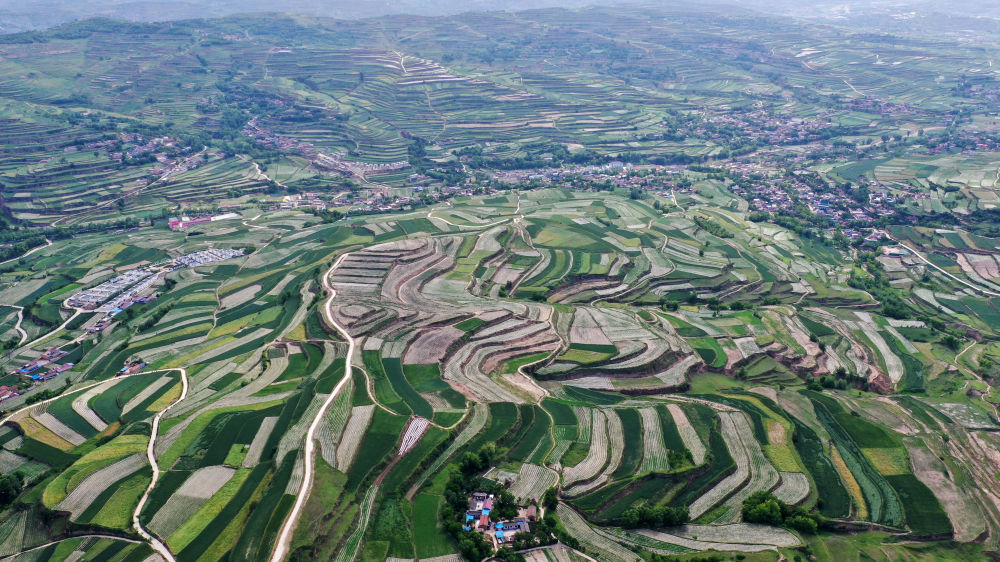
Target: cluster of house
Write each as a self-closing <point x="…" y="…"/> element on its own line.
<point x="762" y="125"/>
<point x="180" y="223"/>
<point x="305" y="200"/>
<point x="210" y="255"/>
<point x="92" y="298"/>
<point x="131" y="368"/>
<point x="776" y="194"/>
<point x="8" y="392"/>
<point x="119" y="293"/>
<point x="477" y="518"/>
<point x="32" y="369"/>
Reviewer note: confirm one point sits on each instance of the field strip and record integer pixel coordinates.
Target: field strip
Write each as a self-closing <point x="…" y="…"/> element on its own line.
<point x="350" y="550"/>
<point x="23" y="409"/>
<point x="700" y="545"/>
<point x="20" y="318"/>
<point x="354" y="432"/>
<point x="597" y="454"/>
<point x="935" y="266"/>
<point x="477" y="422"/>
<point x="793" y="489"/>
<point x="281" y="545"/>
<point x="88" y="490"/>
<point x="145" y="393"/>
<point x="259" y="440"/>
<point x="654" y="451"/>
<point x="154" y="542"/>
<point x="16" y="555"/>
<point x="53" y="332"/>
<point x="730" y="429"/>
<point x="532" y="481"/>
<point x="600" y="545"/>
<point x="53" y="424"/>
<point x="688" y="434"/>
<point x="893" y="364"/>
<point x="80" y="407"/>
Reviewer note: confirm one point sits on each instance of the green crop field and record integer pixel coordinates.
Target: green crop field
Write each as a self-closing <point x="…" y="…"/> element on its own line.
<point x="643" y="267"/>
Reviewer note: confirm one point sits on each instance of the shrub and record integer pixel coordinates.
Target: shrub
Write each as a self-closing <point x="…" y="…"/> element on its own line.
<point x="764" y="507"/>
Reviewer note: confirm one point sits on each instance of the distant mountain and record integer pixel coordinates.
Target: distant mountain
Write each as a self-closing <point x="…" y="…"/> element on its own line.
<point x="17" y="17"/>
<point x="23" y="16"/>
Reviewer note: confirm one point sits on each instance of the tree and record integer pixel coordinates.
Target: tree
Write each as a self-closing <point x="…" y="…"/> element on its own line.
<point x="10" y="487"/>
<point x="765" y="510"/>
<point x="802" y="524"/>
<point x="550" y="499"/>
<point x="764" y="507"/>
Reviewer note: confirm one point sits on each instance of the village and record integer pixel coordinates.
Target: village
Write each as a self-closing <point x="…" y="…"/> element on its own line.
<point x="497" y="532"/>
<point x="112" y="297"/>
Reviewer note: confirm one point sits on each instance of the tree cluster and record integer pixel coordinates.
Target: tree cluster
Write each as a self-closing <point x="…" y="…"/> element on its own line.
<point x="648" y="516"/>
<point x="763" y="507"/>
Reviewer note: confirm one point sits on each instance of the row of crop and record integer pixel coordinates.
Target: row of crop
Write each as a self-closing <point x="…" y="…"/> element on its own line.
<point x="883" y="504"/>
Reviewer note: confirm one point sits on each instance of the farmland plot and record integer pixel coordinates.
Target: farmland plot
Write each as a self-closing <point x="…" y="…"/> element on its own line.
<point x="195" y="491"/>
<point x="51" y="423"/>
<point x="893" y="364"/>
<point x="730" y="426"/>
<point x="532" y="481"/>
<point x="793" y="489"/>
<point x="260" y="440"/>
<point x="600" y="546"/>
<point x="414" y="431"/>
<point x="84" y="494"/>
<point x="688" y="434"/>
<point x="80" y="406"/>
<point x="9" y="462"/>
<point x="597" y="454"/>
<point x="654" y="451"/>
<point x="735" y="537"/>
<point x="361" y="416"/>
<point x="146" y="393"/>
<point x="480" y="414"/>
<point x="615" y="450"/>
<point x="763" y="475"/>
<point x="336" y="418"/>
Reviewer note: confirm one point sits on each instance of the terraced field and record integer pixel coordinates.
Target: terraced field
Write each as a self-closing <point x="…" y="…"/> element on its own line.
<point x="647" y="372"/>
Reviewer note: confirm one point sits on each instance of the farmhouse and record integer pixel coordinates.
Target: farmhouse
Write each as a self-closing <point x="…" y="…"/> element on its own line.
<point x="7" y="392"/>
<point x="477" y="518"/>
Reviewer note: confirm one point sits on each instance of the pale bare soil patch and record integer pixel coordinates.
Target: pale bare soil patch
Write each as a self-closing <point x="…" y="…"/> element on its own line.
<point x="355" y="430"/>
<point x="431" y="346"/>
<point x="687" y="433"/>
<point x="242" y="296"/>
<point x="80" y="498"/>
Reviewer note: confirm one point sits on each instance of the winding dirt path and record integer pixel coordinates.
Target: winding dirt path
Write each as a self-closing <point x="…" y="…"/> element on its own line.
<point x="154" y="542"/>
<point x="15" y="556"/>
<point x="935" y="266"/>
<point x="47" y="244"/>
<point x="283" y="543"/>
<point x="17" y="327"/>
<point x="55" y="331"/>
